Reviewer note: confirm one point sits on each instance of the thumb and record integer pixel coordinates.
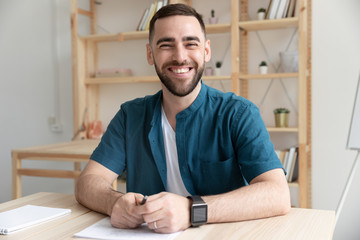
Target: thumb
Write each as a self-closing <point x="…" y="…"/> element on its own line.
<point x="140" y="199"/>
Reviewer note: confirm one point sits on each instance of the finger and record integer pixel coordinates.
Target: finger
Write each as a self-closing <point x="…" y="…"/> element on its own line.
<point x="126" y="222"/>
<point x="156" y="225"/>
<point x="139" y="199"/>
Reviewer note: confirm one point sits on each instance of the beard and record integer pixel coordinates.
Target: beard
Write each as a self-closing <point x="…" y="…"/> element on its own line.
<point x="177" y="89"/>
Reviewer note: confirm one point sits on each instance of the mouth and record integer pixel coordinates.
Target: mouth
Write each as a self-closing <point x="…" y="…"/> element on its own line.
<point x="180" y="70"/>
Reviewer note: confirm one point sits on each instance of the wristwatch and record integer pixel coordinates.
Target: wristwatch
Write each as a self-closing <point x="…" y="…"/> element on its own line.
<point x="198" y="211"/>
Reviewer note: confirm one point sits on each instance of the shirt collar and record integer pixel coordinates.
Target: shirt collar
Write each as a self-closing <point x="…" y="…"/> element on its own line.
<point x="196" y="104"/>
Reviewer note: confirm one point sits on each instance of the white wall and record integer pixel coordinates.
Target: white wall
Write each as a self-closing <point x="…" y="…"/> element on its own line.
<point x="31" y="79"/>
<point x="336" y="68"/>
<point x="35" y="59"/>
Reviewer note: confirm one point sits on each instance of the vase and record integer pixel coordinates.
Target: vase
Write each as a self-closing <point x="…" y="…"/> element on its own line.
<point x="213" y="20"/>
<point x="263" y="69"/>
<point x="281" y="120"/>
<point x="217" y="71"/>
<point x="261" y="15"/>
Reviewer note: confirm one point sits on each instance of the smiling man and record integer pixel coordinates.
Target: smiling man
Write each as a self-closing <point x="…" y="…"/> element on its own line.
<point x="202" y="156"/>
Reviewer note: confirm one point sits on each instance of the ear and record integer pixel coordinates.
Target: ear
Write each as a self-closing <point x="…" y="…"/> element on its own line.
<point x="149" y="54"/>
<point x="207" y="51"/>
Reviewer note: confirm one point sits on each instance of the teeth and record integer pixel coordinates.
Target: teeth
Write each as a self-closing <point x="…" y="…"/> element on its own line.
<point x="181" y="70"/>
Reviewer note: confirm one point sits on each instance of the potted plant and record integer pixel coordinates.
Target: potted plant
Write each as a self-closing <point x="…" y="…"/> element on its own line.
<point x="213" y="19"/>
<point x="261" y="13"/>
<point x="263" y="68"/>
<point x="218" y="65"/>
<point x="281" y="117"/>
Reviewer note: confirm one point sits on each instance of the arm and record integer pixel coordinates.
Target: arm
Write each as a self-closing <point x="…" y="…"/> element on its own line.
<point x="94" y="190"/>
<point x="266" y="196"/>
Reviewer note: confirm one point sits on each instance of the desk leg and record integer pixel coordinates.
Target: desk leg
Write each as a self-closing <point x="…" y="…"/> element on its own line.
<point x="114" y="185"/>
<point x="16" y="178"/>
<point x="77" y="168"/>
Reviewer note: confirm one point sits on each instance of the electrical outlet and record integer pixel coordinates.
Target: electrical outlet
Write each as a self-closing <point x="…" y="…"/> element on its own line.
<point x="56" y="128"/>
<point x="52" y="120"/>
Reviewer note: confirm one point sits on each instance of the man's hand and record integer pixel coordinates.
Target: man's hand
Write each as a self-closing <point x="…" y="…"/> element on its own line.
<point x="166" y="212"/>
<point x="125" y="212"/>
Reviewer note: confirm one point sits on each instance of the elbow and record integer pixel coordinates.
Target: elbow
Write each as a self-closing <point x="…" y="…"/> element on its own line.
<point x="285" y="203"/>
<point x="77" y="191"/>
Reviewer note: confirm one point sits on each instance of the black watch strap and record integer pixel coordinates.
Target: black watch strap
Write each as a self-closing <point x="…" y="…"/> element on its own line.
<point x="198" y="211"/>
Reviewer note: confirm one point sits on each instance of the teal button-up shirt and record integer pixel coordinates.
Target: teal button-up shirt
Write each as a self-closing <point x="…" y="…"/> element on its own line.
<point x="221" y="140"/>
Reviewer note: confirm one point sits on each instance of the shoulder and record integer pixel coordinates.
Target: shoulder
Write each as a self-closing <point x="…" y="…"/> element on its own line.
<point x="149" y="101"/>
<point x="228" y="100"/>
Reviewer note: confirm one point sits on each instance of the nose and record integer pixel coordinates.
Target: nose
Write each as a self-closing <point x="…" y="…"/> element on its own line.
<point x="179" y="54"/>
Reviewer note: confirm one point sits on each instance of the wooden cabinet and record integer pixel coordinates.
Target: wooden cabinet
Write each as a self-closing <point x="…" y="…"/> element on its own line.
<point x="86" y="85"/>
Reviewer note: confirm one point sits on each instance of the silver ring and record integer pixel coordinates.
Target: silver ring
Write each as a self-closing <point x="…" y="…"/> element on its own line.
<point x="155" y="227"/>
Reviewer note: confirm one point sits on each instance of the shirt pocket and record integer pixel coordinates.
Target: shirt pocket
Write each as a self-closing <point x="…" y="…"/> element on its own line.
<point x="218" y="177"/>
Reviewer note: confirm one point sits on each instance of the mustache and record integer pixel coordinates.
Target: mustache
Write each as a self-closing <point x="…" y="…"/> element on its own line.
<point x="178" y="64"/>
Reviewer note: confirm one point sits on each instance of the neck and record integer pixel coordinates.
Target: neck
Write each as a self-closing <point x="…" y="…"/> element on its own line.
<point x="173" y="104"/>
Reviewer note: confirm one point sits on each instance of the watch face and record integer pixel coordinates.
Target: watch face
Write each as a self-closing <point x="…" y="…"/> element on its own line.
<point x="199" y="214"/>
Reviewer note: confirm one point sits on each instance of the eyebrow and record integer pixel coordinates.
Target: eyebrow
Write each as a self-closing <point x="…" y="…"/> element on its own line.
<point x="184" y="39"/>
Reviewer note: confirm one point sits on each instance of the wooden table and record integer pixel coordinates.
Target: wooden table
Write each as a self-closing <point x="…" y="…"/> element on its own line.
<point x="73" y="151"/>
<point x="298" y="224"/>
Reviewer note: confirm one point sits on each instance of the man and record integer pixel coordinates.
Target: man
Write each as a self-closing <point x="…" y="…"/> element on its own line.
<point x="186" y="140"/>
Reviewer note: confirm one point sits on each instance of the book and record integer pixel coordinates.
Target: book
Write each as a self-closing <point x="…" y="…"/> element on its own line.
<point x="281" y="9"/>
<point x="267" y="10"/>
<point x="292" y="168"/>
<point x="151" y="14"/>
<point x="141" y="20"/>
<point x="273" y="9"/>
<point x="144" y="20"/>
<point x="291" y="9"/>
<point x="26" y="216"/>
<point x="290" y="160"/>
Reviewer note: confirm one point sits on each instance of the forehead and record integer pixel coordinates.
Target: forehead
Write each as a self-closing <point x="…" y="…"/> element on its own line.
<point x="177" y="27"/>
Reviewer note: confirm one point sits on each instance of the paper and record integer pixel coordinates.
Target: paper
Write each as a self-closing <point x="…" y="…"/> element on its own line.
<point x="26" y="216"/>
<point x="103" y="230"/>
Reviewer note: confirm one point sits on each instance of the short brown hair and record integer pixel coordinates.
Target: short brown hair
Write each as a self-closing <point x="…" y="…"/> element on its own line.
<point x="175" y="10"/>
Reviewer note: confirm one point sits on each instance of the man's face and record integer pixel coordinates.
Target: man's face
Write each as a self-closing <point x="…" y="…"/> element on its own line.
<point x="179" y="52"/>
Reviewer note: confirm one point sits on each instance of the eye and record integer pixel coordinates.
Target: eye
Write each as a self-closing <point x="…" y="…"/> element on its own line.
<point x="165" y="45"/>
<point x="192" y="44"/>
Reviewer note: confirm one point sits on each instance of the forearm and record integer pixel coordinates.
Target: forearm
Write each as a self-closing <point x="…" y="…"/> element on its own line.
<point x="96" y="193"/>
<point x="258" y="200"/>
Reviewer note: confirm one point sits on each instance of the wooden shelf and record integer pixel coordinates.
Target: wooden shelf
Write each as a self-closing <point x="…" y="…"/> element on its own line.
<point x="85" y="63"/>
<point x="268" y="76"/>
<point x="288" y="129"/>
<point x="214" y="78"/>
<point x="268" y="24"/>
<point x="112" y="80"/>
<point x="218" y="28"/>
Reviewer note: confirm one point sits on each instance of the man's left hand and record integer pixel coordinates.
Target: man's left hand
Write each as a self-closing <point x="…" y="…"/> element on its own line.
<point x="167" y="212"/>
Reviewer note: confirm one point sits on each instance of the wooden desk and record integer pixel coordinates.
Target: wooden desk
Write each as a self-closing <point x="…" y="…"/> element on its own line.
<point x="73" y="151"/>
<point x="298" y="224"/>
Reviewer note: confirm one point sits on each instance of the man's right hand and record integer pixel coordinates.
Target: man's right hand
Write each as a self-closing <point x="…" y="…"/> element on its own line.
<point x="125" y="211"/>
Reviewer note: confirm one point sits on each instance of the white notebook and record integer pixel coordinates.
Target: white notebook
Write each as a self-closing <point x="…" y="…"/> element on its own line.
<point x="26" y="216"/>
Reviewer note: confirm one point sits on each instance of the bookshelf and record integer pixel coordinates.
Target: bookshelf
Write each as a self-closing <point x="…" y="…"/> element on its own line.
<point x="86" y="85"/>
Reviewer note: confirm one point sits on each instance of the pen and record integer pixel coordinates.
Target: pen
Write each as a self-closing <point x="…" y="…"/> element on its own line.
<point x="144" y="200"/>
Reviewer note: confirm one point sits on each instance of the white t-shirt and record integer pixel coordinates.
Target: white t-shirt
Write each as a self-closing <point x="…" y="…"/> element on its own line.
<point x="175" y="183"/>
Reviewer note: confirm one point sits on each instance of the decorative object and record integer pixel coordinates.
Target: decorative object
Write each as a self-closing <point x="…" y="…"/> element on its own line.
<point x="263" y="68"/>
<point x="261" y="13"/>
<point x="213" y="19"/>
<point x="289" y="61"/>
<point x="281" y="117"/>
<point x="209" y="71"/>
<point x="218" y="65"/>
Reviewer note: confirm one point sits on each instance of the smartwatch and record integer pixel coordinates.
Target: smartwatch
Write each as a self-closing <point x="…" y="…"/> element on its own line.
<point x="198" y="211"/>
